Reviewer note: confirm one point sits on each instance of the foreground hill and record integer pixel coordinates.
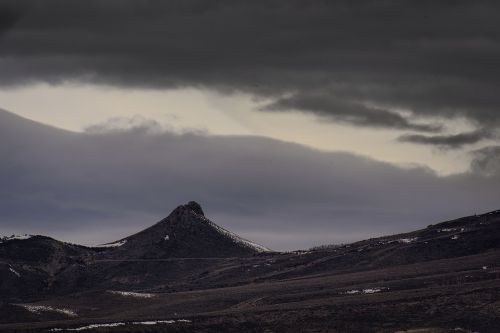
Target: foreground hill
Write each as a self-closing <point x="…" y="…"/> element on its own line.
<point x="202" y="278"/>
<point x="29" y="264"/>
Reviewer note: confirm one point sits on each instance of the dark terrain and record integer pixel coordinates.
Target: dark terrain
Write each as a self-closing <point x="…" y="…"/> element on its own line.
<point x="198" y="277"/>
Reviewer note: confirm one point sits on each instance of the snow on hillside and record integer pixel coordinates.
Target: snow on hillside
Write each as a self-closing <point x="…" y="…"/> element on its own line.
<point x="450" y="229"/>
<point x="38" y="309"/>
<point x="131" y="294"/>
<point x="237" y="239"/>
<point x="14" y="237"/>
<point x="407" y="240"/>
<point x="115" y="244"/>
<point x="365" y="291"/>
<point x="117" y="324"/>
<point x="16" y="273"/>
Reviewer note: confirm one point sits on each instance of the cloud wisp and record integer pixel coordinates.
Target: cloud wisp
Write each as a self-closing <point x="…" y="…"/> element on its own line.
<point x="447" y="141"/>
<point x="350" y="112"/>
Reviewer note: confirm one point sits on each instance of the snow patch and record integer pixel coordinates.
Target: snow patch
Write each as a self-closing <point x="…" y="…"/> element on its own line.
<point x="155" y="322"/>
<point x="167" y="237"/>
<point x="455" y="237"/>
<point x="38" y="309"/>
<point x="365" y="291"/>
<point x="352" y="292"/>
<point x="131" y="294"/>
<point x="117" y="324"/>
<point x="407" y="240"/>
<point x="371" y="290"/>
<point x="16" y="273"/>
<point x="88" y="327"/>
<point x="450" y="229"/>
<point x="14" y="237"/>
<point x="115" y="244"/>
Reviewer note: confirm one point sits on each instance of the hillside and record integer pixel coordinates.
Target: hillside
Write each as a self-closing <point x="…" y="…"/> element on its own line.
<point x="202" y="278"/>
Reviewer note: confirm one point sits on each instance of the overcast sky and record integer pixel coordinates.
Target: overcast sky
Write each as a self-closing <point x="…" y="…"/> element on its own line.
<point x="293" y="123"/>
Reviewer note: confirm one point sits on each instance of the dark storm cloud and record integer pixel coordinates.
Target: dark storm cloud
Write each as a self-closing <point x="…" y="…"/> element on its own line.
<point x="432" y="58"/>
<point x="447" y="141"/>
<point x="10" y="13"/>
<point x="348" y="111"/>
<point x="103" y="185"/>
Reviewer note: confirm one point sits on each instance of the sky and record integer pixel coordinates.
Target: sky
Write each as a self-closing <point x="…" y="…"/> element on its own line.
<point x="293" y="123"/>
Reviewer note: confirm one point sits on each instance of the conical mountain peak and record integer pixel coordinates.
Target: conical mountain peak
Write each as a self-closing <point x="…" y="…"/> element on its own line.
<point x="185" y="232"/>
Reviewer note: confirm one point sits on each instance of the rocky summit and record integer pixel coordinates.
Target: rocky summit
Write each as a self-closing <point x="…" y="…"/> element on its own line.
<point x="185" y="233"/>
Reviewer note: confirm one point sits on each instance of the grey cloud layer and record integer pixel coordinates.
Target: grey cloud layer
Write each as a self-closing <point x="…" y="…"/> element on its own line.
<point x="433" y="58"/>
<point x="447" y="141"/>
<point x="350" y="112"/>
<point x="281" y="194"/>
<point x="487" y="161"/>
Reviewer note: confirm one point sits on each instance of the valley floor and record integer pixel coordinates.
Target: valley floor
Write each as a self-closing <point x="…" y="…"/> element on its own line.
<point x="457" y="294"/>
